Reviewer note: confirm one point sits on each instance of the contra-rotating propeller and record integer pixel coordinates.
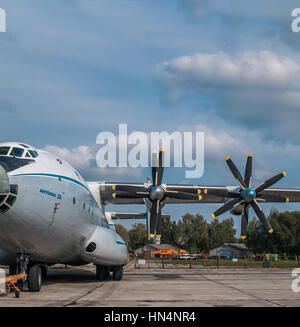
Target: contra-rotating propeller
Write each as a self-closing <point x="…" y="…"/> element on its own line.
<point x="247" y="196"/>
<point x="155" y="193"/>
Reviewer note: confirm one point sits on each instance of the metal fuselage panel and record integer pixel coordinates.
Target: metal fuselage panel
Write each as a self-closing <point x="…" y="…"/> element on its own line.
<point x="54" y="215"/>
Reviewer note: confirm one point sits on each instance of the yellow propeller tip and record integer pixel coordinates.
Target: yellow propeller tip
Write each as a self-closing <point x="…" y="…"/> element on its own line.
<point x="114" y="195"/>
<point x="154" y="151"/>
<point x="243" y="237"/>
<point x="152" y="235"/>
<point x="284" y="173"/>
<point x="227" y="158"/>
<point x="205" y="191"/>
<point x="250" y="155"/>
<point x="161" y="149"/>
<point x="200" y="197"/>
<point x="114" y="187"/>
<point x="271" y="231"/>
<point x="213" y="216"/>
<point x="287" y="200"/>
<point x="198" y="191"/>
<point x="158" y="236"/>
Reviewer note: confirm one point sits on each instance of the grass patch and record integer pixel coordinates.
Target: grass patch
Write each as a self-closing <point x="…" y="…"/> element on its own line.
<point x="225" y="263"/>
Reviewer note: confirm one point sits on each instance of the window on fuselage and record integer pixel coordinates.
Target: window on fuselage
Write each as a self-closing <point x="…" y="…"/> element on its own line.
<point x="33" y="153"/>
<point x="4" y="150"/>
<point x="27" y="155"/>
<point x="16" y="152"/>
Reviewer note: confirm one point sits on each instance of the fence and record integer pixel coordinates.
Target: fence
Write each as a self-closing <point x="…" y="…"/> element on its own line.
<point x="217" y="262"/>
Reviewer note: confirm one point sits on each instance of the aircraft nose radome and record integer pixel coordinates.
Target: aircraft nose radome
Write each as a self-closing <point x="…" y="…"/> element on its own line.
<point x="4" y="181"/>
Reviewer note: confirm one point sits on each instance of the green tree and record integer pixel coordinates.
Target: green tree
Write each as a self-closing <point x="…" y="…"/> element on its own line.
<point x="137" y="236"/>
<point x="284" y="239"/>
<point x="123" y="232"/>
<point x="221" y="232"/>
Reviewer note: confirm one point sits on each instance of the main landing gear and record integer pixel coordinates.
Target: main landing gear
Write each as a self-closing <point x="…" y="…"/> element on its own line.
<point x="35" y="273"/>
<point x="103" y="272"/>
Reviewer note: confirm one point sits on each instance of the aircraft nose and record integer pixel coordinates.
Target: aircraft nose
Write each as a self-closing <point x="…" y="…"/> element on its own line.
<point x="4" y="182"/>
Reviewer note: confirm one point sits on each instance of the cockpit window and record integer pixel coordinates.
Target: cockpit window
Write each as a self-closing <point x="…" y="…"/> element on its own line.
<point x="27" y="155"/>
<point x="4" y="150"/>
<point x="16" y="152"/>
<point x="33" y="153"/>
<point x="24" y="145"/>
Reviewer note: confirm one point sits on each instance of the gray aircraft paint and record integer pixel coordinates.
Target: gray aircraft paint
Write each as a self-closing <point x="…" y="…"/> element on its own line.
<point x="46" y="223"/>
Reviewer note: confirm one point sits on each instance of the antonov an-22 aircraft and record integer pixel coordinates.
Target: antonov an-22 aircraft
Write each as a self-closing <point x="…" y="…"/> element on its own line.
<point x="49" y="214"/>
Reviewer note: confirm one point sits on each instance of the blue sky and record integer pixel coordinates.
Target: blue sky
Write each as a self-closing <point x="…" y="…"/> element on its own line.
<point x="71" y="69"/>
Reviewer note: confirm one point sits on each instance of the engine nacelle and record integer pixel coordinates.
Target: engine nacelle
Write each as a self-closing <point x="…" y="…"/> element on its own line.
<point x="105" y="247"/>
<point x="237" y="210"/>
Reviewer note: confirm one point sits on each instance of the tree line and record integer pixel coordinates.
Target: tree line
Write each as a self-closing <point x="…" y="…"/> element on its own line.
<point x="193" y="233"/>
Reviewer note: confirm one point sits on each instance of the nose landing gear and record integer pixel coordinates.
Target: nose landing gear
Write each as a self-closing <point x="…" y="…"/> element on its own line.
<point x="35" y="273"/>
<point x="103" y="272"/>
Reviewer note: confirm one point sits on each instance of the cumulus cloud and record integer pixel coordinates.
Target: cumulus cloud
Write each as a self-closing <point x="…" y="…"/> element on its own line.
<point x="218" y="144"/>
<point x="258" y="89"/>
<point x="249" y="70"/>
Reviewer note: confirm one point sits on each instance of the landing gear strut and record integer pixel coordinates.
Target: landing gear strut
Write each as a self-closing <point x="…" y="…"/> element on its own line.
<point x="33" y="270"/>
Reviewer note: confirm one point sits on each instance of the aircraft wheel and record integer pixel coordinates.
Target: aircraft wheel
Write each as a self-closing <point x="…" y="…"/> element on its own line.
<point x="44" y="270"/>
<point x="102" y="273"/>
<point x="13" y="269"/>
<point x="34" y="278"/>
<point x="118" y="273"/>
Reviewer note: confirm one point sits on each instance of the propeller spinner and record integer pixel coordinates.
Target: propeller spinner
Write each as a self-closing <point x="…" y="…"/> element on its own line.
<point x="155" y="193"/>
<point x="247" y="196"/>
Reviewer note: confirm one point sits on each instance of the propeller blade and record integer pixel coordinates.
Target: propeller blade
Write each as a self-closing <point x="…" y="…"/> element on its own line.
<point x="186" y="189"/>
<point x="272" y="198"/>
<point x="227" y="206"/>
<point x="158" y="226"/>
<point x="155" y="215"/>
<point x="235" y="172"/>
<point x="155" y="164"/>
<point x="161" y="166"/>
<point x="126" y="195"/>
<point x="183" y="195"/>
<point x="248" y="171"/>
<point x="244" y="225"/>
<point x="271" y="181"/>
<point x="260" y="214"/>
<point x="222" y="193"/>
<point x="129" y="188"/>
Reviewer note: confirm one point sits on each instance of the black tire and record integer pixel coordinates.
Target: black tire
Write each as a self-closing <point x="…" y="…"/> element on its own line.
<point x="118" y="273"/>
<point x="44" y="270"/>
<point x="34" y="278"/>
<point x="13" y="269"/>
<point x="102" y="273"/>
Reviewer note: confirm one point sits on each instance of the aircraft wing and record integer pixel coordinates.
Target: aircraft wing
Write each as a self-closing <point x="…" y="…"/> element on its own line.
<point x="107" y="190"/>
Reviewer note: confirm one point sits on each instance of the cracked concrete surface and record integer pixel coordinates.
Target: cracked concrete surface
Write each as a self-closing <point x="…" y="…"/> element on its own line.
<point x="163" y="287"/>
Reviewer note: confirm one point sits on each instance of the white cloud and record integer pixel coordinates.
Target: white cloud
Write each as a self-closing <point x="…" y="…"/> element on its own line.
<point x="260" y="90"/>
<point x="257" y="70"/>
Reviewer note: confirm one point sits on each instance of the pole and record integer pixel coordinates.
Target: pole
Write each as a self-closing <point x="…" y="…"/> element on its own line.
<point x="245" y="264"/>
<point x="218" y="262"/>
